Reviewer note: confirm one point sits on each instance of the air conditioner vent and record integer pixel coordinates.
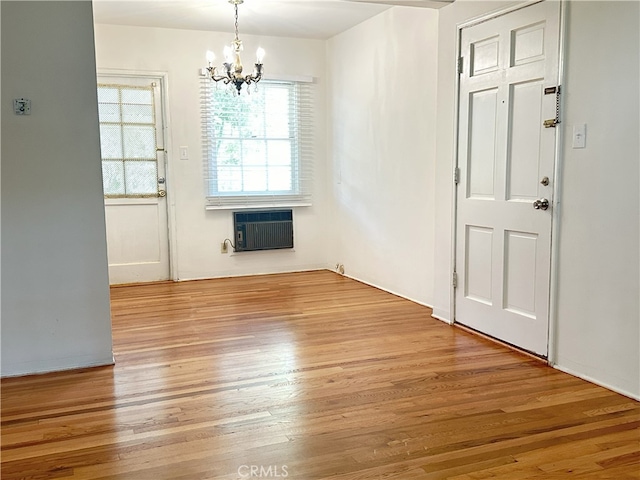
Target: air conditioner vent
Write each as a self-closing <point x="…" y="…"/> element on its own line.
<point x="263" y="230"/>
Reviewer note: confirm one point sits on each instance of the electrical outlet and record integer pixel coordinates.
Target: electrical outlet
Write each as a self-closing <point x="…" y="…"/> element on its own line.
<point x="223" y="247"/>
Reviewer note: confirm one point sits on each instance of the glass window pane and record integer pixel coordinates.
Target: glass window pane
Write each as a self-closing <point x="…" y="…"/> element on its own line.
<point x="139" y="141"/>
<point x="110" y="141"/>
<point x="279" y="179"/>
<point x="228" y="152"/>
<point x="108" y="94"/>
<point x="255" y="179"/>
<point x="254" y="127"/>
<point x="253" y="153"/>
<point x="137" y="114"/>
<point x="109" y="112"/>
<point x="141" y="177"/>
<point x="137" y="96"/>
<point x="277" y="106"/>
<point x="113" y="177"/>
<point x="230" y="179"/>
<point x="278" y="126"/>
<point x="227" y="127"/>
<point x="254" y="120"/>
<point x="279" y="152"/>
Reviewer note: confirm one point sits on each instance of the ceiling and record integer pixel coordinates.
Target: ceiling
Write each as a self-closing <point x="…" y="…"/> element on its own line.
<point x="319" y="19"/>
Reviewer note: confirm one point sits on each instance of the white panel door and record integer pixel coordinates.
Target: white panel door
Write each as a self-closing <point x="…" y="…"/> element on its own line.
<point x="133" y="170"/>
<point x="505" y="155"/>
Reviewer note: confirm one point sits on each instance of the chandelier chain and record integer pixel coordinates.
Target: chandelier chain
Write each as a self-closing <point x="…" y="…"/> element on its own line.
<point x="236" y="6"/>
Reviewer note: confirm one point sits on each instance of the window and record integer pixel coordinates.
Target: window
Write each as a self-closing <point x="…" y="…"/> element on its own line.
<point x="128" y="141"/>
<point x="257" y="144"/>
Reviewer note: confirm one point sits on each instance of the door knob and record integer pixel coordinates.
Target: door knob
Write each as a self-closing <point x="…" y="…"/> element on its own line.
<point x="541" y="204"/>
<point x="161" y="180"/>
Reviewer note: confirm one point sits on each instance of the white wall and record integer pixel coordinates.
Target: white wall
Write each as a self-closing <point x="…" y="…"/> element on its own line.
<point x="598" y="315"/>
<point x="198" y="233"/>
<point x="598" y="334"/>
<point x="55" y="297"/>
<point x="382" y="131"/>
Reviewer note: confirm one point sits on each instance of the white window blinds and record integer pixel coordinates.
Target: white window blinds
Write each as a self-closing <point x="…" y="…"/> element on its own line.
<point x="258" y="145"/>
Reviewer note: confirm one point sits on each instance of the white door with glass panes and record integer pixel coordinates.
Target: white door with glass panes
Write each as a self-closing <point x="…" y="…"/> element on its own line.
<point x="133" y="174"/>
<point x="506" y="161"/>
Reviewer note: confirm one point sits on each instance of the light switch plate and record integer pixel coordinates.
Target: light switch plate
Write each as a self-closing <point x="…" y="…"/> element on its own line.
<point x="579" y="136"/>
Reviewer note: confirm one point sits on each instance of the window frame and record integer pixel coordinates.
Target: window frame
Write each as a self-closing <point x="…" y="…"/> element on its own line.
<point x="301" y="138"/>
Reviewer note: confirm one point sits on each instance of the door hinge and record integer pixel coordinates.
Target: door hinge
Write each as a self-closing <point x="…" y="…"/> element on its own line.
<point x="454" y="280"/>
<point x="552" y="122"/>
<point x="456" y="176"/>
<point x="460" y="65"/>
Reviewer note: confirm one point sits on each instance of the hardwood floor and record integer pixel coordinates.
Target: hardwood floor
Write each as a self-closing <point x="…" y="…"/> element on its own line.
<point x="308" y="376"/>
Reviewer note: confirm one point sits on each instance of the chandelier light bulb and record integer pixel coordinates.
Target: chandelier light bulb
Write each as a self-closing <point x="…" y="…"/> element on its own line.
<point x="228" y="57"/>
<point x="210" y="57"/>
<point x="260" y="55"/>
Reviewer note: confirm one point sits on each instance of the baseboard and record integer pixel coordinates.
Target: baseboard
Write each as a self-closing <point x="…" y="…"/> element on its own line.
<point x="253" y="274"/>
<point x="597" y="382"/>
<point x="56" y="365"/>
<point x="383" y="289"/>
<point x="442" y="315"/>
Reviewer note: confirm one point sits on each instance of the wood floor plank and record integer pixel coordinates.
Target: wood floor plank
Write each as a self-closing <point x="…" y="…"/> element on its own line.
<point x="313" y="375"/>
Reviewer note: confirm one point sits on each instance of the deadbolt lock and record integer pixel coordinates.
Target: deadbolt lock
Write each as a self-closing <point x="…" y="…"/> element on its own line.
<point x="545" y="181"/>
<point x="162" y="193"/>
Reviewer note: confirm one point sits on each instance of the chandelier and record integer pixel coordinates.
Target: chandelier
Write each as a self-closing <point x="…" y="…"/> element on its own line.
<point x="233" y="64"/>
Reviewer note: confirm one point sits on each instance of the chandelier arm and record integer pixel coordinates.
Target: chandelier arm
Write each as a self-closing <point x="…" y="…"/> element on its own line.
<point x="213" y="73"/>
<point x="253" y="78"/>
<point x="258" y="71"/>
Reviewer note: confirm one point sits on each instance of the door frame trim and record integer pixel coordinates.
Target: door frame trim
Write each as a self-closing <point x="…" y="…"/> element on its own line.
<point x="555" y="216"/>
<point x="163" y="78"/>
<point x="552" y="356"/>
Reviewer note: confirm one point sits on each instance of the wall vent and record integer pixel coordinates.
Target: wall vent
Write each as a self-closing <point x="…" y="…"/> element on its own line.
<point x="263" y="230"/>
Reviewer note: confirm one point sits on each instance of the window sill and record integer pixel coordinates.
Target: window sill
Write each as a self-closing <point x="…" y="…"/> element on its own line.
<point x="257" y="206"/>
